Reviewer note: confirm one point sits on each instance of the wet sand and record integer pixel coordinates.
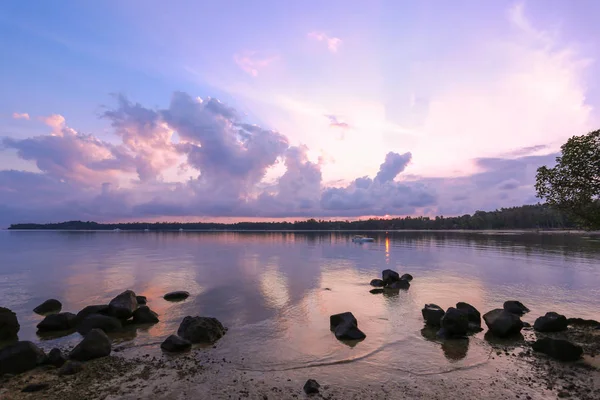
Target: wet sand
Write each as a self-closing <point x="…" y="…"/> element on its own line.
<point x="512" y="371"/>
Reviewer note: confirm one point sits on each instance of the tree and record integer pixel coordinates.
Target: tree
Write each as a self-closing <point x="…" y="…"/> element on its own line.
<point x="573" y="185"/>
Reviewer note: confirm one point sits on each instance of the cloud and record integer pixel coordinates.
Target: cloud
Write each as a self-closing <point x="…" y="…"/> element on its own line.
<point x="394" y="164"/>
<point x="20" y="116"/>
<point x="252" y="63"/>
<point x="333" y="43"/>
<point x="334" y="122"/>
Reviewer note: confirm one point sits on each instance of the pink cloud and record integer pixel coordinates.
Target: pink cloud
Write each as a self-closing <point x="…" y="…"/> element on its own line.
<point x="333" y="43"/>
<point x="334" y="122"/>
<point x="252" y="63"/>
<point x="20" y="116"/>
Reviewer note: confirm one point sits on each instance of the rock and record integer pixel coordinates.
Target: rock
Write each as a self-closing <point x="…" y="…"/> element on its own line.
<point x="454" y="323"/>
<point x="9" y="325"/>
<point x="175" y="344"/>
<point x="57" y="322"/>
<point x="123" y="305"/>
<point x="141" y="300"/>
<point x="406" y="277"/>
<point x="201" y="329"/>
<point x="551" y="322"/>
<point x="94" y="345"/>
<point x="502" y="323"/>
<point x="390" y="276"/>
<point x="397" y="285"/>
<point x="377" y="283"/>
<point x="583" y="322"/>
<point x="35" y="387"/>
<point x="345" y="327"/>
<point x="20" y="357"/>
<point x="177" y="295"/>
<point x="56" y="358"/>
<point x="377" y="291"/>
<point x="472" y="314"/>
<point x="144" y="315"/>
<point x="99" y="321"/>
<point x="70" y="368"/>
<point x="95" y="309"/>
<point x="49" y="306"/>
<point x="515" y="307"/>
<point x="342" y="318"/>
<point x="432" y="314"/>
<point x="311" y="387"/>
<point x="559" y="349"/>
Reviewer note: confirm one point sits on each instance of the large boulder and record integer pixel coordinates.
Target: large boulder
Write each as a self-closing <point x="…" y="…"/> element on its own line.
<point x="432" y="314"/>
<point x="472" y="314"/>
<point x="57" y="322"/>
<point x="177" y="295"/>
<point x="95" y="309"/>
<point x="551" y="322"/>
<point x="406" y="277"/>
<point x="56" y="358"/>
<point x="399" y="284"/>
<point x="559" y="349"/>
<point x="345" y="327"/>
<point x="175" y="344"/>
<point x="503" y="323"/>
<point x="20" y="357"/>
<point x="9" y="325"/>
<point x="390" y="276"/>
<point x="123" y="305"/>
<point x="454" y="323"/>
<point x="49" y="306"/>
<point x="98" y="321"/>
<point x="515" y="307"/>
<point x="94" y="345"/>
<point x="144" y="315"/>
<point x="377" y="283"/>
<point x="201" y="329"/>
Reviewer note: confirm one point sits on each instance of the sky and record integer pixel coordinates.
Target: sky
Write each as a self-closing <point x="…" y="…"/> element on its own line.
<point x="236" y="110"/>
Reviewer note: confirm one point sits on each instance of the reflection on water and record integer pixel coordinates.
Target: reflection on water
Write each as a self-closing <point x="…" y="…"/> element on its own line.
<point x="269" y="288"/>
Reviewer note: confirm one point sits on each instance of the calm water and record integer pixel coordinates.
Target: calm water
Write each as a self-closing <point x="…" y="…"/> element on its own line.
<point x="270" y="289"/>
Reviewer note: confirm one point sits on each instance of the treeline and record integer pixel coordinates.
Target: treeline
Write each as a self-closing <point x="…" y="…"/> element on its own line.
<point x="539" y="216"/>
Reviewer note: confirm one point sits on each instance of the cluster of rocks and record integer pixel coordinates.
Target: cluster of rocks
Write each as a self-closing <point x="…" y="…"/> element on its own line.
<point x="455" y="322"/>
<point x="391" y="280"/>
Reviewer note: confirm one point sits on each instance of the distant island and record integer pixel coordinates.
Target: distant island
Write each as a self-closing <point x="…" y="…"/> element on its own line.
<point x="540" y="216"/>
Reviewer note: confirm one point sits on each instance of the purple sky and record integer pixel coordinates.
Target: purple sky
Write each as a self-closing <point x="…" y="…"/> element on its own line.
<point x="147" y="110"/>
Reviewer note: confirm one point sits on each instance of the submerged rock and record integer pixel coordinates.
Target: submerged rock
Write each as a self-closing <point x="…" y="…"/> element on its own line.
<point x="377" y="291"/>
<point x="390" y="276"/>
<point x="177" y="295"/>
<point x="123" y="305"/>
<point x="70" y="368"/>
<point x="502" y="323"/>
<point x="49" y="306"/>
<point x="342" y="318"/>
<point x="141" y="299"/>
<point x="20" y="357"/>
<point x="583" y="322"/>
<point x="345" y="327"/>
<point x="311" y="387"/>
<point x="377" y="283"/>
<point x="559" y="349"/>
<point x="175" y="344"/>
<point x="515" y="307"/>
<point x="201" y="329"/>
<point x="454" y="323"/>
<point x="9" y="325"/>
<point x="94" y="345"/>
<point x="35" y="387"/>
<point x="99" y="321"/>
<point x="432" y="314"/>
<point x="57" y="322"/>
<point x="144" y="315"/>
<point x="406" y="277"/>
<point x="472" y="314"/>
<point x="397" y="285"/>
<point x="551" y="322"/>
<point x="56" y="358"/>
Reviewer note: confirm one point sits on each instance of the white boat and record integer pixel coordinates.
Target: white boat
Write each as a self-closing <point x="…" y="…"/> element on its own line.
<point x="117" y="230"/>
<point x="146" y="230"/>
<point x="180" y="229"/>
<point x="362" y="239"/>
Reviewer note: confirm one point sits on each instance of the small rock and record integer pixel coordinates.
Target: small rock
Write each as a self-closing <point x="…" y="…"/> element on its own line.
<point x="201" y="329"/>
<point x="551" y="322"/>
<point x="9" y="325"/>
<point x="515" y="307"/>
<point x="377" y="291"/>
<point x="406" y="277"/>
<point x="397" y="285"/>
<point x="472" y="314"/>
<point x="56" y="358"/>
<point x="57" y="322"/>
<point x="20" y="357"/>
<point x="94" y="345"/>
<point x="141" y="300"/>
<point x="583" y="322"/>
<point x="342" y="318"/>
<point x="345" y="327"/>
<point x="35" y="387"/>
<point x="454" y="323"/>
<point x="311" y="386"/>
<point x="377" y="283"/>
<point x="177" y="295"/>
<point x="99" y="321"/>
<point x="175" y="344"/>
<point x="123" y="306"/>
<point x="89" y="310"/>
<point x="503" y="323"/>
<point x="390" y="276"/>
<point x="144" y="315"/>
<point x="49" y="306"/>
<point x="559" y="349"/>
<point x="432" y="314"/>
<point x="70" y="368"/>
